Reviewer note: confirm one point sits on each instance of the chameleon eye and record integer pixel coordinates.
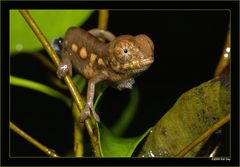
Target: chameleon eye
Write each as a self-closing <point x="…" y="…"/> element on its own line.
<point x="123" y="55"/>
<point x="123" y="51"/>
<point x="57" y="44"/>
<point x="126" y="56"/>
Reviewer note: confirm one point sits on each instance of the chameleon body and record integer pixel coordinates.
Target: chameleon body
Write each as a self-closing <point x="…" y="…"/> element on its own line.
<point x="116" y="62"/>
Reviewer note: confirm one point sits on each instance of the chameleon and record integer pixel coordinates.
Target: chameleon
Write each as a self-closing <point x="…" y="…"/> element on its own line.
<point x="117" y="61"/>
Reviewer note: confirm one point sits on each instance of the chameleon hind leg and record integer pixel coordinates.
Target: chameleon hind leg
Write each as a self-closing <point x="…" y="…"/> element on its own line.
<point x="90" y="97"/>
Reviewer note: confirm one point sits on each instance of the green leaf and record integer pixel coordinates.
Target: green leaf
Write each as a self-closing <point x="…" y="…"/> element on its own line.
<point x="113" y="146"/>
<point x="80" y="82"/>
<point x="100" y="89"/>
<point x="16" y="81"/>
<point x="53" y="23"/>
<point x="128" y="113"/>
<point x="196" y="111"/>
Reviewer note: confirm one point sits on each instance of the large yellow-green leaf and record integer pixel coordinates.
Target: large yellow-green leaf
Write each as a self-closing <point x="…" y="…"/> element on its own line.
<point x="53" y="23"/>
<point x="193" y="113"/>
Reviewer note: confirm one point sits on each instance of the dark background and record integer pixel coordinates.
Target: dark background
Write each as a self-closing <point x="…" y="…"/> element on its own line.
<point x="188" y="45"/>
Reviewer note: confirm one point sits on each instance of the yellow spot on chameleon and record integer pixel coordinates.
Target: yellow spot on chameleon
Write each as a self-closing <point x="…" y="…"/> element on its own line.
<point x="93" y="58"/>
<point x="101" y="62"/>
<point x="74" y="47"/>
<point x="83" y="53"/>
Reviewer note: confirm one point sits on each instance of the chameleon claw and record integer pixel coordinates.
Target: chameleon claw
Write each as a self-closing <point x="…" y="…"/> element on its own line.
<point x="86" y="113"/>
<point x="95" y="115"/>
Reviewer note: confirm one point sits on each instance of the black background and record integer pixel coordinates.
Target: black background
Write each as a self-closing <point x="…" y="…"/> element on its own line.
<point x="188" y="45"/>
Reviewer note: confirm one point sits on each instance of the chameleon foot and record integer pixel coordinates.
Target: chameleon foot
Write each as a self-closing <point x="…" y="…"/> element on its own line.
<point x="86" y="113"/>
<point x="64" y="67"/>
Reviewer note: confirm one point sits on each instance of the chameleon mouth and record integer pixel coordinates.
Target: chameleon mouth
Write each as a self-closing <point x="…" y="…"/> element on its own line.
<point x="138" y="64"/>
<point x="136" y="67"/>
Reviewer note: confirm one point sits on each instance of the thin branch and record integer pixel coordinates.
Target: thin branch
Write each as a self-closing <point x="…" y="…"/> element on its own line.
<point x="204" y="135"/>
<point x="78" y="129"/>
<point x="76" y="96"/>
<point x="225" y="57"/>
<point x="78" y="133"/>
<point x="31" y="140"/>
<point x="79" y="100"/>
<point x="103" y="19"/>
<point x="215" y="150"/>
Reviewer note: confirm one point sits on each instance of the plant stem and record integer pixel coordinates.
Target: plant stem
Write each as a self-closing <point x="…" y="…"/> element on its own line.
<point x="93" y="132"/>
<point x="31" y="140"/>
<point x="225" y="57"/>
<point x="204" y="135"/>
<point x="103" y="19"/>
<point x="76" y="96"/>
<point x="90" y="123"/>
<point x="78" y="132"/>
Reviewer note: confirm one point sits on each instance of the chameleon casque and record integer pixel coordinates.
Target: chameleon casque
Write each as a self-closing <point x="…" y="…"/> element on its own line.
<point x="117" y="62"/>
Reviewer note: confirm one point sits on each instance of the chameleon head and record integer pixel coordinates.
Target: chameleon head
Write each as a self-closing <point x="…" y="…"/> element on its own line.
<point x="131" y="54"/>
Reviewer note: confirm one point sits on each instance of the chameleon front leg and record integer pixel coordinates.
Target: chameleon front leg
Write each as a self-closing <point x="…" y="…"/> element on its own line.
<point x="90" y="97"/>
<point x="64" y="67"/>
